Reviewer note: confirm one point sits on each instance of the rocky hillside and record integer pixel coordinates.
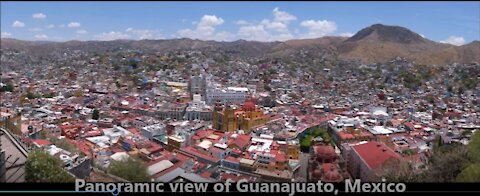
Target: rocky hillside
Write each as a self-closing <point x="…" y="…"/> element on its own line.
<point x="380" y="43"/>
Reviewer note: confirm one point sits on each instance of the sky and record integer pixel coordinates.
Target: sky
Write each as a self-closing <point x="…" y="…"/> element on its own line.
<point x="456" y="23"/>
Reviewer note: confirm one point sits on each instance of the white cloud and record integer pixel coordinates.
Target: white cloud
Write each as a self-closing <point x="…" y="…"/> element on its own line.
<point x="275" y="29"/>
<point x="454" y="40"/>
<point x="82" y="31"/>
<point x="241" y="22"/>
<point x="260" y="33"/>
<point x="130" y="33"/>
<point x="5" y="34"/>
<point x="41" y="36"/>
<point x="50" y="26"/>
<point x="39" y="16"/>
<point x="61" y="26"/>
<point x="347" y="34"/>
<point x="318" y="28"/>
<point x="34" y="29"/>
<point x="143" y="33"/>
<point x="74" y="25"/>
<point x="281" y="16"/>
<point x="275" y="25"/>
<point x="210" y="20"/>
<point x="280" y="21"/>
<point x="254" y="32"/>
<point x="205" y="29"/>
<point x="112" y="35"/>
<point x="18" y="24"/>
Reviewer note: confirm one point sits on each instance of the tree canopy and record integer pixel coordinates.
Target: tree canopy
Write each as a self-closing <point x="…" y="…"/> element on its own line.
<point x="130" y="169"/>
<point x="95" y="114"/>
<point x="474" y="147"/>
<point x="8" y="87"/>
<point x="41" y="167"/>
<point x="448" y="163"/>
<point x="470" y="174"/>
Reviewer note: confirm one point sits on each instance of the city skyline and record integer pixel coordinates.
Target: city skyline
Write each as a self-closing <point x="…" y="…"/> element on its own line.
<point x="447" y="22"/>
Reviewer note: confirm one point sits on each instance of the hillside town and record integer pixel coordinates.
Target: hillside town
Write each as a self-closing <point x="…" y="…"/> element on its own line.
<point x="187" y="117"/>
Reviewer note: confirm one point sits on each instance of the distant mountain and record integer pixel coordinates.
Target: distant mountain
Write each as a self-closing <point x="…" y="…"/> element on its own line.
<point x="381" y="43"/>
<point x="384" y="33"/>
<point x="375" y="44"/>
<point x="469" y="52"/>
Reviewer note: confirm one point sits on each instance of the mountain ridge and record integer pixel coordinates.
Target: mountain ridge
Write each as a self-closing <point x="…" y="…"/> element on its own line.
<point x="377" y="43"/>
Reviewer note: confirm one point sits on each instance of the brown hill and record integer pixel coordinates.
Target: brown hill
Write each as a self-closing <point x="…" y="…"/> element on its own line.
<point x="375" y="44"/>
<point x="381" y="43"/>
<point x="384" y="33"/>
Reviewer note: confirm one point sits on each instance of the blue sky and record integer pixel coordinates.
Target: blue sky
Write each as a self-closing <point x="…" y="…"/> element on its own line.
<point x="452" y="22"/>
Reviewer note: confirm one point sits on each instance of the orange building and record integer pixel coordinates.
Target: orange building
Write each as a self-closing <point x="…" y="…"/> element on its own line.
<point x="230" y="119"/>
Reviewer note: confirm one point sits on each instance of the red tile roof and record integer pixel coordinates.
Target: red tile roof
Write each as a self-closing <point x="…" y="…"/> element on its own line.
<point x="93" y="133"/>
<point x="41" y="142"/>
<point x="196" y="153"/>
<point x="374" y="154"/>
<point x="280" y="158"/>
<point x="203" y="133"/>
<point x="115" y="150"/>
<point x="180" y="157"/>
<point x="240" y="141"/>
<point x="236" y="151"/>
<point x="410" y="126"/>
<point x="134" y="131"/>
<point x="154" y="148"/>
<point x="206" y="174"/>
<point x="82" y="146"/>
<point x="327" y="166"/>
<point x="344" y="135"/>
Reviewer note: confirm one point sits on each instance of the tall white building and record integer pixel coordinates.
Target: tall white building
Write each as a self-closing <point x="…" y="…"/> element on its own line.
<point x="226" y="96"/>
<point x="198" y="110"/>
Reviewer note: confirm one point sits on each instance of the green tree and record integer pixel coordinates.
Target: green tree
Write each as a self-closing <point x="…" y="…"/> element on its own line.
<point x="470" y="174"/>
<point x="8" y="87"/>
<point x="312" y="133"/>
<point x="41" y="167"/>
<point x="31" y="95"/>
<point x="49" y="95"/>
<point x="95" y="114"/>
<point x="474" y="147"/>
<point x="130" y="169"/>
<point x="400" y="171"/>
<point x="133" y="63"/>
<point x="446" y="163"/>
